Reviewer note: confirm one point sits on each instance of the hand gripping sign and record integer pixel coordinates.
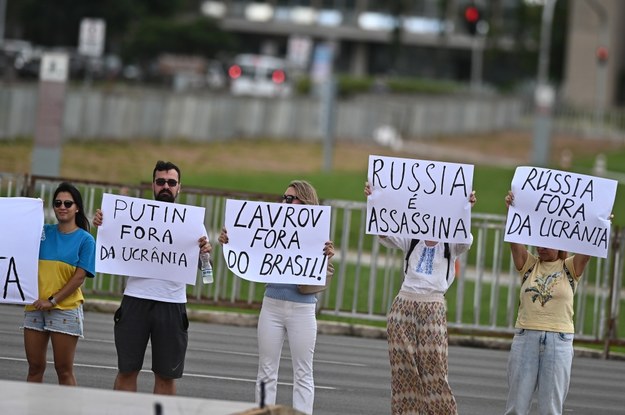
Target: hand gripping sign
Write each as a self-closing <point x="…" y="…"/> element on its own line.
<point x="277" y="242"/>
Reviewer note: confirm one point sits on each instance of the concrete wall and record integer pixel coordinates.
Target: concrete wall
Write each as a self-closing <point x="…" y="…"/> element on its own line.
<point x="156" y="114"/>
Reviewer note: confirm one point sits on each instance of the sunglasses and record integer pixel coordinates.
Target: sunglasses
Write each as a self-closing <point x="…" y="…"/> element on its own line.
<point x="170" y="182"/>
<point x="67" y="203"/>
<point x="289" y="198"/>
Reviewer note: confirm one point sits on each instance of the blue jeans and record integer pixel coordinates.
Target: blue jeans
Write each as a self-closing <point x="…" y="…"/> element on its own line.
<point x="539" y="361"/>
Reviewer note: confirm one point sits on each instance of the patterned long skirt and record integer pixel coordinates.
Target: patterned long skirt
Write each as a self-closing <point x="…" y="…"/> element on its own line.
<point x="417" y="347"/>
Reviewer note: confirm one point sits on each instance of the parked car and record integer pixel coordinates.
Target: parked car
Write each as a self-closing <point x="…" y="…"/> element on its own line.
<point x="259" y="75"/>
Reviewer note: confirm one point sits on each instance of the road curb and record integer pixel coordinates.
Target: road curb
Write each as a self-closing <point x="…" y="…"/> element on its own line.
<point x="340" y="329"/>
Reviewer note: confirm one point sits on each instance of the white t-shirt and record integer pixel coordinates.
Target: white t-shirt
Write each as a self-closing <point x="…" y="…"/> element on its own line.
<point x="427" y="265"/>
<point x="155" y="289"/>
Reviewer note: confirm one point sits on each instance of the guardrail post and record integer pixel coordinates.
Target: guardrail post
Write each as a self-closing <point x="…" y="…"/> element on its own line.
<point x="613" y="293"/>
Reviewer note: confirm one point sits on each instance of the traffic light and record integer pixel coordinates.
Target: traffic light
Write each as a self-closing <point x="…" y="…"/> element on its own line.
<point x="602" y="54"/>
<point x="472" y="17"/>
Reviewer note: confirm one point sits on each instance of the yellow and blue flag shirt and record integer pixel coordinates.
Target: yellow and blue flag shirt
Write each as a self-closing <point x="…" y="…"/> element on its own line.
<point x="59" y="256"/>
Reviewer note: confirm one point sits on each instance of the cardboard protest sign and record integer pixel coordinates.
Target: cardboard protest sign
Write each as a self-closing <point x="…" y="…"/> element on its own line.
<point x="149" y="239"/>
<point x="419" y="199"/>
<point x="561" y="210"/>
<point x="277" y="242"/>
<point x="21" y="221"/>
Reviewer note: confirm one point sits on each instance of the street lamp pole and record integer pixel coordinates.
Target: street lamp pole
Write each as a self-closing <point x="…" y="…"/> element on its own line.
<point x="3" y="8"/>
<point x="544" y="95"/>
<point x="604" y="40"/>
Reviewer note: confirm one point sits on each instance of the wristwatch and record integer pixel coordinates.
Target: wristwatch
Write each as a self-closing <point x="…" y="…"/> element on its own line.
<point x="52" y="300"/>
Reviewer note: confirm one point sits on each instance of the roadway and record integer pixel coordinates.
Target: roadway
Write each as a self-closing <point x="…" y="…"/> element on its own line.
<point x="351" y="373"/>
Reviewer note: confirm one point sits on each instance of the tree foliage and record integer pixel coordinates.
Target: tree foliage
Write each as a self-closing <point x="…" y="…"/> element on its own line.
<point x="199" y="36"/>
<point x="135" y="28"/>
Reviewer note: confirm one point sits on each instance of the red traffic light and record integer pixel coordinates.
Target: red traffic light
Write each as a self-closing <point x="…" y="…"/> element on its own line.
<point x="471" y="14"/>
<point x="235" y="71"/>
<point x="602" y="54"/>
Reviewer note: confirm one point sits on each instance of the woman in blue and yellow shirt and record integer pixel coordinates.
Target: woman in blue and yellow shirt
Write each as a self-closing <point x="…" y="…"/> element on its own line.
<point x="66" y="258"/>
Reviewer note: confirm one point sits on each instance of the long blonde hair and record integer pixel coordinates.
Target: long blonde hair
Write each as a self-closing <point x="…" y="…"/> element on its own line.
<point x="305" y="192"/>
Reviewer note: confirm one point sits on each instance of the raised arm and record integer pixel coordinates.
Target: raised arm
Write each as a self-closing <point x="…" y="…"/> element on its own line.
<point x="519" y="252"/>
<point x="579" y="263"/>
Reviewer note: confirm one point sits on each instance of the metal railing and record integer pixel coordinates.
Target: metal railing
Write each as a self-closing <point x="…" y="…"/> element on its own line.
<point x="484" y="297"/>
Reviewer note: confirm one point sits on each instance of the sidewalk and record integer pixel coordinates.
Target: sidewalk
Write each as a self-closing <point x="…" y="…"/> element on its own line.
<point x="38" y="398"/>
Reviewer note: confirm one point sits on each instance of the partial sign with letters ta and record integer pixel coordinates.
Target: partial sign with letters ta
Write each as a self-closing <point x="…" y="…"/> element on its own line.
<point x="21" y="221"/>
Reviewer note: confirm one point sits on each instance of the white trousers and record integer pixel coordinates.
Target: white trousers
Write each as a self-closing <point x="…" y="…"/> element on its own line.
<point x="277" y="320"/>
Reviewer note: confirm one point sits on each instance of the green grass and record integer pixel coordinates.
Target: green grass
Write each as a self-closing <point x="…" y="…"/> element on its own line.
<point x="490" y="183"/>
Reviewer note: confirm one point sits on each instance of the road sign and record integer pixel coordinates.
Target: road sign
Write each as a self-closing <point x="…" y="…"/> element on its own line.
<point x="298" y="50"/>
<point x="54" y="67"/>
<point x="91" y="37"/>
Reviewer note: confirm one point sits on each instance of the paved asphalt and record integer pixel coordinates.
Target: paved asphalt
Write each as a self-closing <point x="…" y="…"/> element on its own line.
<point x="351" y="373"/>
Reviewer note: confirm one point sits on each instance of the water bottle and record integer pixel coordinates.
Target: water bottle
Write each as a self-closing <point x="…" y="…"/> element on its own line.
<point x="207" y="268"/>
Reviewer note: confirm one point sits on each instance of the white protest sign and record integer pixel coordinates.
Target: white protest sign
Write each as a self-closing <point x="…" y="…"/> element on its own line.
<point x="419" y="199"/>
<point x="277" y="242"/>
<point x="561" y="210"/>
<point x="149" y="239"/>
<point x="21" y="221"/>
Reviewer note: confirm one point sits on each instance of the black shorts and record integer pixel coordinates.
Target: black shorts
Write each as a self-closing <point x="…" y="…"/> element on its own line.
<point x="165" y="324"/>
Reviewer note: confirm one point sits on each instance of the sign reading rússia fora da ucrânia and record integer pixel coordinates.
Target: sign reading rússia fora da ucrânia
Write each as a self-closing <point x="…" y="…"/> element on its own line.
<point x="277" y="242"/>
<point x="21" y="221"/>
<point x="561" y="210"/>
<point x="419" y="199"/>
<point x="149" y="239"/>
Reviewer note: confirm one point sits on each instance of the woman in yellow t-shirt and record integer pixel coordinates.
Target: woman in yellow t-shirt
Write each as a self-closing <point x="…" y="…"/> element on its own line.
<point x="542" y="350"/>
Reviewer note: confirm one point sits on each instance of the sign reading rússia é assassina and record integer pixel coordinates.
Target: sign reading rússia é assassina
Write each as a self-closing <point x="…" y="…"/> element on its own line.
<point x="149" y="238"/>
<point x="21" y="221"/>
<point x="277" y="242"/>
<point x="419" y="199"/>
<point x="561" y="210"/>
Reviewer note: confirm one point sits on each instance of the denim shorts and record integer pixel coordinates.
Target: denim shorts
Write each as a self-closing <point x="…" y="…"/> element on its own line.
<point x="60" y="321"/>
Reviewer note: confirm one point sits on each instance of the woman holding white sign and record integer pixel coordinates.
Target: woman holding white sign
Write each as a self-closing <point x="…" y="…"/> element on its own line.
<point x="289" y="310"/>
<point x="66" y="258"/>
<point x="542" y="349"/>
<point x="417" y="325"/>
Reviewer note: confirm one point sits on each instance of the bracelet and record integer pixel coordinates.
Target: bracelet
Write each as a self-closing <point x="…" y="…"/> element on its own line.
<point x="52" y="301"/>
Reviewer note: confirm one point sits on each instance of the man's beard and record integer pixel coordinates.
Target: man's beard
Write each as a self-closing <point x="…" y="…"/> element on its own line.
<point x="165" y="196"/>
